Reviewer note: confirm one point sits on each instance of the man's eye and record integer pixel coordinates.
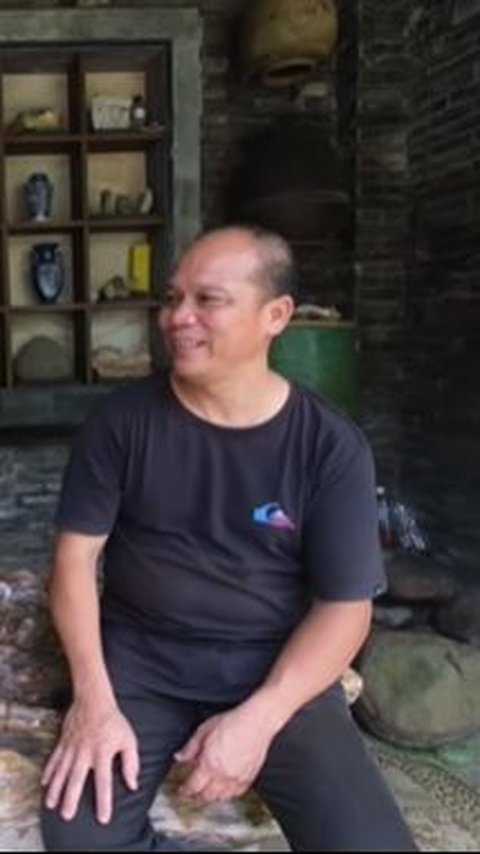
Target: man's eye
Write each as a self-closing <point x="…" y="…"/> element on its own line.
<point x="210" y="299"/>
<point x="170" y="300"/>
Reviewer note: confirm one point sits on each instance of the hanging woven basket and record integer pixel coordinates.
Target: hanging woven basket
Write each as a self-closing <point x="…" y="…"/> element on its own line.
<point x="284" y="40"/>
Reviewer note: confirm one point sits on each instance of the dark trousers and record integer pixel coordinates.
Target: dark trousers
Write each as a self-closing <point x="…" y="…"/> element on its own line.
<point x="318" y="781"/>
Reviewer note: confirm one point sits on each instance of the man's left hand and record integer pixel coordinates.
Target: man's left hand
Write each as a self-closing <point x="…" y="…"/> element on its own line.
<point x="227" y="753"/>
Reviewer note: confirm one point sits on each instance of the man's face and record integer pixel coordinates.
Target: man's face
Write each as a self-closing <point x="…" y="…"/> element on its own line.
<point x="217" y="321"/>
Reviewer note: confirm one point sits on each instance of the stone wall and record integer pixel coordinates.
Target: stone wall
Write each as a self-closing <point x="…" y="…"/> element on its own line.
<point x="441" y="451"/>
<point x="30" y="472"/>
<point x="382" y="222"/>
<point x="417" y="262"/>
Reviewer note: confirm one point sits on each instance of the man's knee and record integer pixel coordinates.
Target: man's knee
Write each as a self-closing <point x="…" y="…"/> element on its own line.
<point x="82" y="833"/>
<point x="60" y="835"/>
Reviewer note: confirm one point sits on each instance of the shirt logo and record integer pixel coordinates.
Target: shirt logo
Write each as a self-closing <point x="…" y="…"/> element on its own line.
<point x="273" y="516"/>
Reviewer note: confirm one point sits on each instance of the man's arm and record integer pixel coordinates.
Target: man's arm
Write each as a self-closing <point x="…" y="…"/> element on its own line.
<point x="94" y="730"/>
<point x="229" y="750"/>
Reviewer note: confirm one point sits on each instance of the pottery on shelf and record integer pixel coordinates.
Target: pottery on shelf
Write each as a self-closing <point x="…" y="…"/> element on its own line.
<point x="38" y="196"/>
<point x="47" y="271"/>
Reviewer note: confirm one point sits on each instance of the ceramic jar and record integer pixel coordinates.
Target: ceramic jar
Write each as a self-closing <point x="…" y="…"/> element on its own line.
<point x="38" y="196"/>
<point x="284" y="40"/>
<point x="47" y="271"/>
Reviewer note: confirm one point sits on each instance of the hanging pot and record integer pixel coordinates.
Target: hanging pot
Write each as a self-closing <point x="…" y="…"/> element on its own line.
<point x="285" y="39"/>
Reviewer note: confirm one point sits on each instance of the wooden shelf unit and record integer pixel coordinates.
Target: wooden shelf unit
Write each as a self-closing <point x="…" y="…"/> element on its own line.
<point x="81" y="162"/>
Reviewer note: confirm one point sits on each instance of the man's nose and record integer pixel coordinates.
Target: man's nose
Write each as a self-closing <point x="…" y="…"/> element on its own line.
<point x="183" y="313"/>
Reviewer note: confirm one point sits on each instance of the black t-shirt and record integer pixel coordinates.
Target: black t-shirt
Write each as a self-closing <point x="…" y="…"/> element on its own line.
<point x="221" y="536"/>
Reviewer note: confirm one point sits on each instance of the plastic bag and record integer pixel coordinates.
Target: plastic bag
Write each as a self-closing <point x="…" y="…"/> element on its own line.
<point x="397" y="525"/>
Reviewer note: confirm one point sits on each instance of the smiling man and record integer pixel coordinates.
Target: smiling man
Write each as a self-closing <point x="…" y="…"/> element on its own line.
<point x="236" y="516"/>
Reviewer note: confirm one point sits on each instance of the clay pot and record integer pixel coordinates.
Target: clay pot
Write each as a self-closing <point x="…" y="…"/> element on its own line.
<point x="285" y="39"/>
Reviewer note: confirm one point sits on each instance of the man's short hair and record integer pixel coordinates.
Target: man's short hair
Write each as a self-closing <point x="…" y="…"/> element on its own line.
<point x="277" y="269"/>
<point x="276" y="273"/>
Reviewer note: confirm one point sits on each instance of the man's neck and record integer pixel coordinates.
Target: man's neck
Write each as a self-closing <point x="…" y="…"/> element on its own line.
<point x="244" y="402"/>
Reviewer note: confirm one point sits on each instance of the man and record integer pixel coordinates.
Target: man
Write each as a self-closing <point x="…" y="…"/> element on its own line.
<point x="236" y="514"/>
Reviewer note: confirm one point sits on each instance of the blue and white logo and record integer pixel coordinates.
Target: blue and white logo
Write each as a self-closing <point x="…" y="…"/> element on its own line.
<point x="273" y="516"/>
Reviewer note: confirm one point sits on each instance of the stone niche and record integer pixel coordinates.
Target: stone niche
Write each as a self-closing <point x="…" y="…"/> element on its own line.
<point x="182" y="29"/>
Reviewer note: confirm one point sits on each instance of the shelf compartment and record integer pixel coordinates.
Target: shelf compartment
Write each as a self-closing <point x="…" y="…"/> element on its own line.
<point x="18" y="170"/>
<point x="123" y="174"/>
<point x="109" y="256"/>
<point x="121" y="341"/>
<point x="22" y="293"/>
<point x="23" y="92"/>
<point x="118" y="83"/>
<point x="59" y="328"/>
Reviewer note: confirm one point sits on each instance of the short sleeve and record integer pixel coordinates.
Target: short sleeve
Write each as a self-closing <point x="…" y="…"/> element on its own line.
<point x="341" y="545"/>
<point x="92" y="484"/>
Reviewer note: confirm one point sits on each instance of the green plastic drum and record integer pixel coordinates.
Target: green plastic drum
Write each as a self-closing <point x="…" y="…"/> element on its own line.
<point x="322" y="356"/>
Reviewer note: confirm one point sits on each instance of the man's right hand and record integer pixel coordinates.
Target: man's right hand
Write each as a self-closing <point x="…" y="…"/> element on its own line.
<point x="92" y="736"/>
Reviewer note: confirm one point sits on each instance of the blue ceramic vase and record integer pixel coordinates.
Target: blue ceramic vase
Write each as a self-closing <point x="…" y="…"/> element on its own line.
<point x="38" y="197"/>
<point x="47" y="271"/>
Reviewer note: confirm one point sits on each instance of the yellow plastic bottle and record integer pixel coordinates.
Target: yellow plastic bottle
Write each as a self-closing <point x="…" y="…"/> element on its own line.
<point x="140" y="254"/>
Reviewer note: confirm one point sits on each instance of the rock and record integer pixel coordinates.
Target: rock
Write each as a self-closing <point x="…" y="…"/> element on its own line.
<point x="31" y="730"/>
<point x="420" y="690"/>
<point x="42" y="360"/>
<point x="412" y="578"/>
<point x="39" y="679"/>
<point x="22" y="588"/>
<point x="19" y="786"/>
<point x="393" y="616"/>
<point x="32" y="667"/>
<point x="460" y="619"/>
<point x="24" y="619"/>
<point x="242" y="821"/>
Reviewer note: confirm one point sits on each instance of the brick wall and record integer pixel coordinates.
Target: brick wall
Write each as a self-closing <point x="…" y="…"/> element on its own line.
<point x="30" y="471"/>
<point x="441" y="451"/>
<point x="382" y="222"/>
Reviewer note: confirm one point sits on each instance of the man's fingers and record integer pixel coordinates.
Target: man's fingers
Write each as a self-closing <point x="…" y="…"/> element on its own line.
<point x="195" y="783"/>
<point x="51" y="765"/>
<point x="73" y="790"/>
<point x="103" y="788"/>
<point x="130" y="767"/>
<point x="58" y="778"/>
<point x="190" y="750"/>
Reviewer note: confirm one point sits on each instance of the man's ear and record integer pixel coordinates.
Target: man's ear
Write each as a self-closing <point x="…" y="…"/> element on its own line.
<point x="280" y="311"/>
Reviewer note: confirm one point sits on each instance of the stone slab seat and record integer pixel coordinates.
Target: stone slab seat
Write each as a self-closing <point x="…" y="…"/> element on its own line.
<point x="33" y="681"/>
<point x="27" y="735"/>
